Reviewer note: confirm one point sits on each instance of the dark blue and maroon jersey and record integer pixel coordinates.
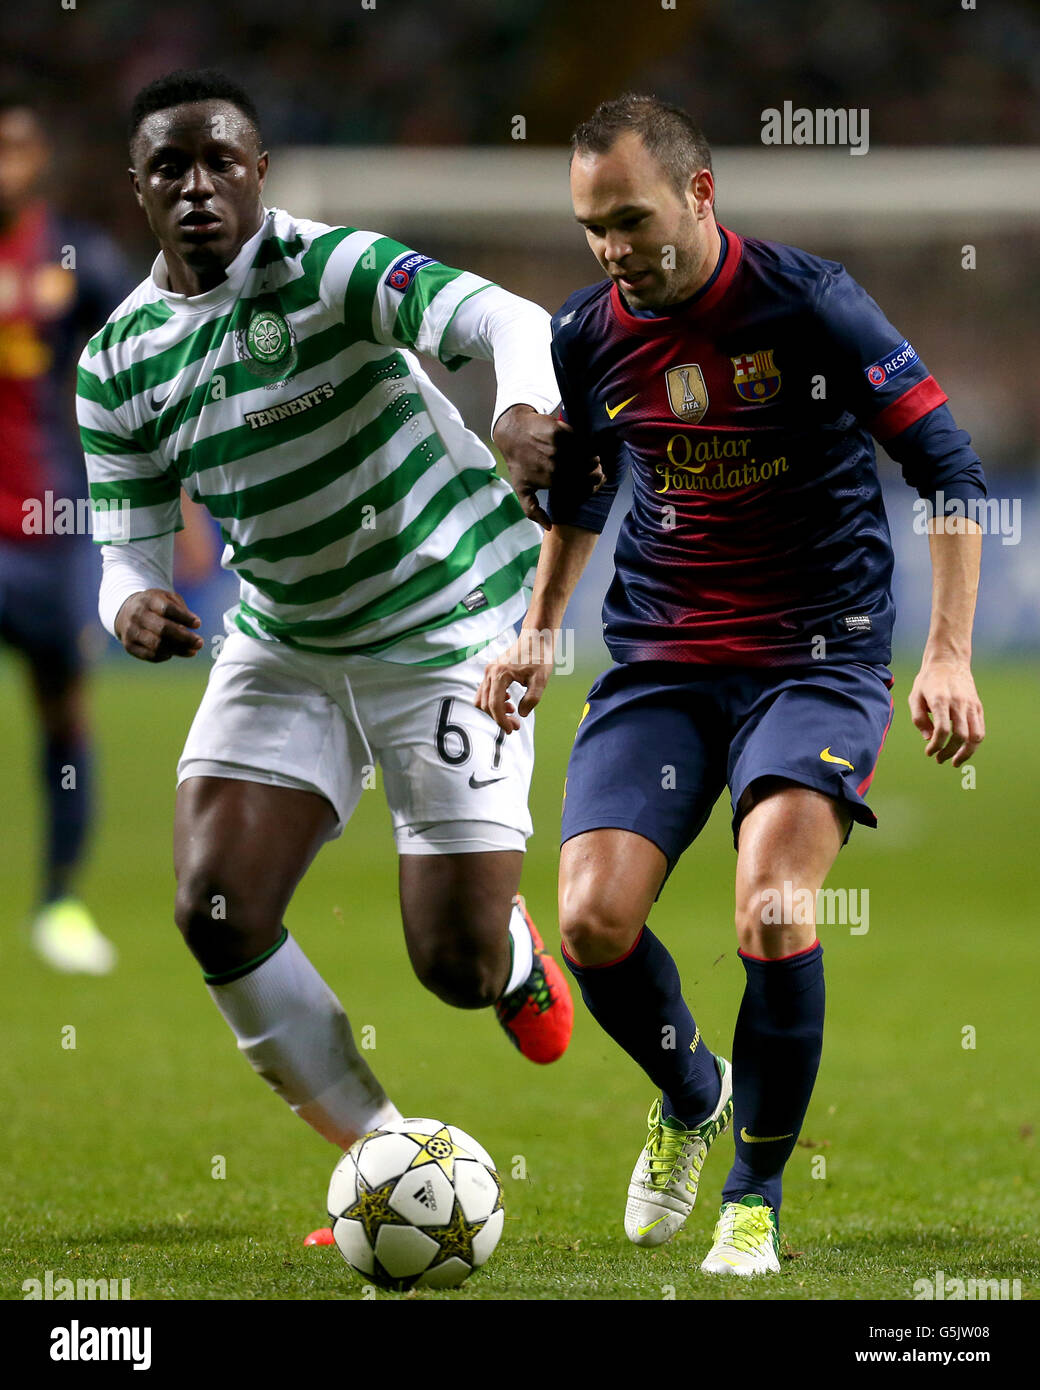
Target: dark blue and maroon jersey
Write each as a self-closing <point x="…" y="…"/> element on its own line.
<point x="58" y="279"/>
<point x="757" y="525"/>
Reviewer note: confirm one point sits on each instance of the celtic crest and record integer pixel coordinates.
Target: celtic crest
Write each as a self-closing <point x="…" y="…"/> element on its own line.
<point x="266" y="346"/>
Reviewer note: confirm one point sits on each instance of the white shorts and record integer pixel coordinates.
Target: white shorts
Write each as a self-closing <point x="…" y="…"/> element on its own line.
<point x="454" y="782"/>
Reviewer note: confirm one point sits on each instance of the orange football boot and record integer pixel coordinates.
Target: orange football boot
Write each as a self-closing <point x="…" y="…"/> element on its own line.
<point x="538" y="1016"/>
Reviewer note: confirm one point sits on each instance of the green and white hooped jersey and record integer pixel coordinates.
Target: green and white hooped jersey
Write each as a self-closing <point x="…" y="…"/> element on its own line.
<point x="359" y="513"/>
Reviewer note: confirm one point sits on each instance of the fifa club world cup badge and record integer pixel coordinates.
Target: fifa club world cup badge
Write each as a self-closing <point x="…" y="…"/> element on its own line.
<point x="755" y="376"/>
<point x="266" y="345"/>
<point x="687" y="393"/>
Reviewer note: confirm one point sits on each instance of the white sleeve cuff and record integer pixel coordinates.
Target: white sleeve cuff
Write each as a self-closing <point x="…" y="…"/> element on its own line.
<point x="131" y="568"/>
<point x="516" y="334"/>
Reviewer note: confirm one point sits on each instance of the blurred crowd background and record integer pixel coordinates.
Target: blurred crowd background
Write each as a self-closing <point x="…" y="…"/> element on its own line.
<point x="455" y="72"/>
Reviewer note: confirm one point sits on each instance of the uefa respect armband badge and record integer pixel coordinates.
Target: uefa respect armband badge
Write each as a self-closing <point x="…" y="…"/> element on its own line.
<point x="404" y="271"/>
<point x="905" y="355"/>
<point x="267" y="346"/>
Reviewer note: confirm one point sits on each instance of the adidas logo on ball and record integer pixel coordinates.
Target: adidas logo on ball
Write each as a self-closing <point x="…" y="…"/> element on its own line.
<point x="426" y="1196"/>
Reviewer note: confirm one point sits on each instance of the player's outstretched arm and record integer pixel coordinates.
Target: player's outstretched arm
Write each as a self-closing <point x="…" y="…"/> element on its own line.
<point x="401" y="296"/>
<point x="514" y="335"/>
<point x="944" y="704"/>
<point x="529" y="661"/>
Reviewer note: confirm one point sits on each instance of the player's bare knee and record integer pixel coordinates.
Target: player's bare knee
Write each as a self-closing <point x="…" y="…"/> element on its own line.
<point x="63" y="723"/>
<point x="464" y="982"/>
<point x="212" y="916"/>
<point x="770" y="916"/>
<point x="593" y="931"/>
<point x="753" y="919"/>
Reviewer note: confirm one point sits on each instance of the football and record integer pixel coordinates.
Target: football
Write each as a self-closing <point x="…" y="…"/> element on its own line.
<point x="416" y="1203"/>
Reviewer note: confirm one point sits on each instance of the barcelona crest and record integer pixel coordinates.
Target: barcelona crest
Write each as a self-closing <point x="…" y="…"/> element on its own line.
<point x="755" y="376"/>
<point x="687" y="393"/>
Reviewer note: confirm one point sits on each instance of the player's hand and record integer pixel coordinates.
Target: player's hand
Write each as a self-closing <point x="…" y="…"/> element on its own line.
<point x="528" y="662"/>
<point x="945" y="706"/>
<point x="157" y="624"/>
<point x="532" y="446"/>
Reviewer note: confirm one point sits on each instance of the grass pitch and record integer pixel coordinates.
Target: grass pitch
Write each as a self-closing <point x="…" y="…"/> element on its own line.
<point x="918" y="1153"/>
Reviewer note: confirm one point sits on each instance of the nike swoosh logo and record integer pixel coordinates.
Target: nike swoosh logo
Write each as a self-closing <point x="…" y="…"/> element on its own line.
<point x="765" y="1139"/>
<point x="828" y="757"/>
<point x="476" y="784"/>
<point x="617" y="409"/>
<point x="158" y="404"/>
<point x="643" y="1229"/>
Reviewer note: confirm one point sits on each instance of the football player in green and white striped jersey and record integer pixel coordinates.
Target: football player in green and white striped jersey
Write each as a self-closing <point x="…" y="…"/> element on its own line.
<point x="265" y="366"/>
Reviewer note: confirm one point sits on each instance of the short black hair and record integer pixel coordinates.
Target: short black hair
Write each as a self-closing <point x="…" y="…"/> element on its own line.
<point x="669" y="133"/>
<point x="192" y="84"/>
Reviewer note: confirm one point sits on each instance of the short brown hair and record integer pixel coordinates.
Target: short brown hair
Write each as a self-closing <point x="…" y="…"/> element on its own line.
<point x="669" y="133"/>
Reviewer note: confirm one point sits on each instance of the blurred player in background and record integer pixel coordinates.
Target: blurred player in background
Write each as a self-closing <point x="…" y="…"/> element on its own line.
<point x="739" y="383"/>
<point x="264" y="365"/>
<point x="57" y="278"/>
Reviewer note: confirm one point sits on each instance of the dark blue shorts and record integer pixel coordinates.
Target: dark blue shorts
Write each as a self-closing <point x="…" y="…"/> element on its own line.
<point x="658" y="741"/>
<point x="48" y="597"/>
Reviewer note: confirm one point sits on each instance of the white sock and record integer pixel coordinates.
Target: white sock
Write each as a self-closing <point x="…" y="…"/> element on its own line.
<point x="293" y="1030"/>
<point x="523" y="950"/>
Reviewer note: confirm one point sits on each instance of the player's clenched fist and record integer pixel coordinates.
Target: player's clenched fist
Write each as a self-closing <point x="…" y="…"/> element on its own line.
<point x="528" y="662"/>
<point x="532" y="446"/>
<point x="157" y="624"/>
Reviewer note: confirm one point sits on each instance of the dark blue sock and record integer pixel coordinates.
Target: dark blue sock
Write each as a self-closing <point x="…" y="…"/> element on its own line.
<point x="67" y="796"/>
<point x="776" y="1055"/>
<point x="638" y="1001"/>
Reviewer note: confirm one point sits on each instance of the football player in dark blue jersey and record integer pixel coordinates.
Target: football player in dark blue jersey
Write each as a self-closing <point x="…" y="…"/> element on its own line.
<point x="741" y="385"/>
<point x="57" y="278"/>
